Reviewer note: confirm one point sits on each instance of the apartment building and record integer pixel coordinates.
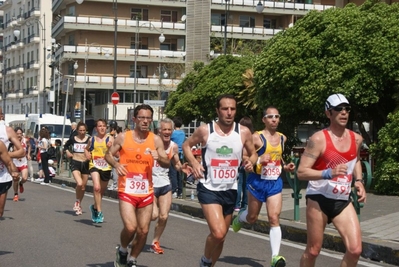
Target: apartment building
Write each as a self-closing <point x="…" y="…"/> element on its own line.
<point x="140" y="49"/>
<point x="26" y="32"/>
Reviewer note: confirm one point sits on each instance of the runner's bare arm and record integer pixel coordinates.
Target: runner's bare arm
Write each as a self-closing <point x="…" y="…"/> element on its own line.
<point x="200" y="136"/>
<point x="87" y="150"/>
<point x="160" y="156"/>
<point x="19" y="151"/>
<point x="312" y="151"/>
<point x="357" y="173"/>
<point x="109" y="156"/>
<point x="6" y="159"/>
<point x="252" y="156"/>
<point x="175" y="158"/>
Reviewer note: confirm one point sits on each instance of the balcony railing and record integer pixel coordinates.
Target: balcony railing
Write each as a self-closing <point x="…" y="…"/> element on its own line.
<point x="121" y="52"/>
<point x="244" y="30"/>
<point x="121" y="23"/>
<point x="274" y="4"/>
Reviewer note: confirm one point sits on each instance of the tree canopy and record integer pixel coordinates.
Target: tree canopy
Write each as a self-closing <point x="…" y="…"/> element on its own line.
<point x="351" y="50"/>
<point x="195" y="97"/>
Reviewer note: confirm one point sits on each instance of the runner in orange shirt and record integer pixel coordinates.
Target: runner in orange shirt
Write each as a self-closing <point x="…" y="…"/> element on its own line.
<point x="137" y="149"/>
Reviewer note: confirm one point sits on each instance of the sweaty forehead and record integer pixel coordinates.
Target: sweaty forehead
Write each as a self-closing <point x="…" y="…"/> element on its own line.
<point x="144" y="112"/>
<point x="227" y="102"/>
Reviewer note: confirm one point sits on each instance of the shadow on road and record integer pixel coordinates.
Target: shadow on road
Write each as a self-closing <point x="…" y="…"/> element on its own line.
<point x="242" y="261"/>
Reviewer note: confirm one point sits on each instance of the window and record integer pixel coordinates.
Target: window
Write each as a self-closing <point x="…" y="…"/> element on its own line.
<point x="168" y="16"/>
<point x="143" y="43"/>
<point x="71" y="11"/>
<point x="71" y="39"/>
<point x="141" y="71"/>
<point x="142" y="14"/>
<point x="216" y="19"/>
<point x="247" y="21"/>
<point x="269" y="23"/>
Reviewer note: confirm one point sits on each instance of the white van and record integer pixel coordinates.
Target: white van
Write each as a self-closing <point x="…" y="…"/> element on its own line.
<point x="53" y="123"/>
<point x="16" y="120"/>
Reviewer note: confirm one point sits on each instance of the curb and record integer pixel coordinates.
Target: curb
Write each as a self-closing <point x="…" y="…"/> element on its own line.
<point x="374" y="249"/>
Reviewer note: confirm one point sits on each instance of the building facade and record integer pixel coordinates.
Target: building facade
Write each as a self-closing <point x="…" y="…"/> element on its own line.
<point x="139" y="49"/>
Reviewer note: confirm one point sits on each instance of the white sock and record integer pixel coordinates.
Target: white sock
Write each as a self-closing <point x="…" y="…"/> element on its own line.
<point x="204" y="259"/>
<point x="275" y="240"/>
<point x="131" y="258"/>
<point x="123" y="250"/>
<point x="243" y="216"/>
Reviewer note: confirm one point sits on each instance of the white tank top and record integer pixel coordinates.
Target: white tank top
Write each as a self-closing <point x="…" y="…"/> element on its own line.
<point x="4" y="175"/>
<point x="222" y="158"/>
<point x="160" y="176"/>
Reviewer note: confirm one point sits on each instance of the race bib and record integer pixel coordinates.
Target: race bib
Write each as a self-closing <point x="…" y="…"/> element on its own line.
<point x="100" y="163"/>
<point x="271" y="171"/>
<point x="224" y="171"/>
<point x="80" y="148"/>
<point x="137" y="184"/>
<point x="339" y="187"/>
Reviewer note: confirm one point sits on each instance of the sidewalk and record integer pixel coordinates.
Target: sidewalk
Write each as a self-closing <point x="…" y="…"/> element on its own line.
<point x="379" y="221"/>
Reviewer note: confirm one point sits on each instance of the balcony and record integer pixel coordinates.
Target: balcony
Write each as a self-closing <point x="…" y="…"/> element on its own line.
<point x="289" y="5"/>
<point x="13" y="71"/>
<point x="20" y="69"/>
<point x="244" y="32"/>
<point x="96" y="23"/>
<point x="11" y="95"/>
<point x="127" y="54"/>
<point x="20" y="44"/>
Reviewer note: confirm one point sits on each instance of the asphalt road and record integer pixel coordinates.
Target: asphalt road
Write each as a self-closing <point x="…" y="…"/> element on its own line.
<point x="42" y="230"/>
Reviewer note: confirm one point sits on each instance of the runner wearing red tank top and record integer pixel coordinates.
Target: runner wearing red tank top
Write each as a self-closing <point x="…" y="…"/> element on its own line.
<point x="137" y="149"/>
<point x="330" y="163"/>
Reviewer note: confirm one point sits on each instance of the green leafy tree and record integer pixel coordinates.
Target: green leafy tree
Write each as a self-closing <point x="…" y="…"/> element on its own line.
<point x="386" y="156"/>
<point x="351" y="50"/>
<point x="195" y="97"/>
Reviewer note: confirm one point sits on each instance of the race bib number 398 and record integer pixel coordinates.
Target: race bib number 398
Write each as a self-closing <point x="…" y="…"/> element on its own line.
<point x="137" y="184"/>
<point x="224" y="171"/>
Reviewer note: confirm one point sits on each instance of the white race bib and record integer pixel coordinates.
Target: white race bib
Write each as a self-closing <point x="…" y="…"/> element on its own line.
<point x="339" y="187"/>
<point x="100" y="163"/>
<point x="271" y="171"/>
<point x="137" y="183"/>
<point x="224" y="171"/>
<point x="80" y="148"/>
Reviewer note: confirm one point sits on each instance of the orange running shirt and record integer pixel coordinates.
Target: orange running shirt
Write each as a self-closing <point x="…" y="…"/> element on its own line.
<point x="138" y="162"/>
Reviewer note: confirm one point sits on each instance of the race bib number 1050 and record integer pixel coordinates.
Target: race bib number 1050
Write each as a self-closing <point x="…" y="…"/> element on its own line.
<point x="224" y="171"/>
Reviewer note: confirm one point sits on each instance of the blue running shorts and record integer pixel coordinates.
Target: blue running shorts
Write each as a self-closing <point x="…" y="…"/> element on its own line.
<point x="261" y="189"/>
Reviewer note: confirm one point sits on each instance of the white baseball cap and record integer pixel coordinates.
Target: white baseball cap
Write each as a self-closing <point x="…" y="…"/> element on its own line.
<point x="335" y="100"/>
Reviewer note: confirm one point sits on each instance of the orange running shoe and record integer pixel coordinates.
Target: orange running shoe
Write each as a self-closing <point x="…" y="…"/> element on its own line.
<point x="15" y="199"/>
<point x="21" y="187"/>
<point x="156" y="248"/>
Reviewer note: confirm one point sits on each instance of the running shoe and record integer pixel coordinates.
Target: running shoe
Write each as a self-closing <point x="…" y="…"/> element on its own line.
<point x="100" y="217"/>
<point x="15" y="199"/>
<point x="131" y="263"/>
<point x="79" y="211"/>
<point x="76" y="205"/>
<point x="94" y="214"/>
<point x="121" y="258"/>
<point x="21" y="187"/>
<point x="277" y="261"/>
<point x="156" y="248"/>
<point x="236" y="223"/>
<point x="205" y="264"/>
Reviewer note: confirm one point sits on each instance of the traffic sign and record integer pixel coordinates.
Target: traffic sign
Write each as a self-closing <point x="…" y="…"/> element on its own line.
<point x="115" y="98"/>
<point x="155" y="103"/>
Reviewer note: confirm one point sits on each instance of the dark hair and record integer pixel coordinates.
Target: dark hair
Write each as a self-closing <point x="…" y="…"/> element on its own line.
<point x="119" y="129"/>
<point x="102" y="120"/>
<point x="58" y="142"/>
<point x="143" y="106"/>
<point x="178" y="122"/>
<point x="18" y="129"/>
<point x="246" y="121"/>
<point x="81" y="123"/>
<point x="44" y="133"/>
<point x="266" y="108"/>
<point x="229" y="96"/>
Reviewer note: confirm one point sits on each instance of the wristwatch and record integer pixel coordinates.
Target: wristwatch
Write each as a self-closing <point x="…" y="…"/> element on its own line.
<point x="360" y="180"/>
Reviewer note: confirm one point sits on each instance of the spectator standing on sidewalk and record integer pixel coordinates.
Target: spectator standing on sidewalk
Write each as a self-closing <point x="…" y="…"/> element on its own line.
<point x="330" y="162"/>
<point x="79" y="164"/>
<point x="242" y="198"/>
<point x="44" y="144"/>
<point x="100" y="170"/>
<point x="21" y="164"/>
<point x="178" y="137"/>
<point x="138" y="149"/>
<point x="162" y="186"/>
<point x="222" y="142"/>
<point x="266" y="183"/>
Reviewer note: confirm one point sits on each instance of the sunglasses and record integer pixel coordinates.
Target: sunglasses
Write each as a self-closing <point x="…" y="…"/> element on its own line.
<point x="341" y="108"/>
<point x="272" y="116"/>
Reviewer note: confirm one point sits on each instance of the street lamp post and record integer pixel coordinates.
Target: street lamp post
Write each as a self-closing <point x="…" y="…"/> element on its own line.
<point x="161" y="39"/>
